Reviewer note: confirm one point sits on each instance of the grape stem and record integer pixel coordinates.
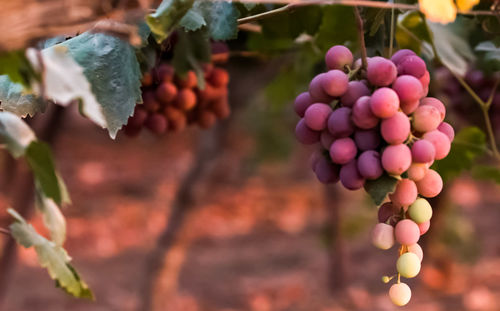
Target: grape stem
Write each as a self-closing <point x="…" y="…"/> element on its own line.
<point x="391" y="35"/>
<point x="361" y="34"/>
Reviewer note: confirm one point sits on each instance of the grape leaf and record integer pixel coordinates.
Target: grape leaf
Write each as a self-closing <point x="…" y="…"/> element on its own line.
<point x="52" y="217"/>
<point x="468" y="145"/>
<point x="50" y="256"/>
<point x="18" y="101"/>
<point x="193" y="20"/>
<point x="486" y="172"/>
<point x="15" y="65"/>
<point x="338" y="26"/>
<point x="166" y="17"/>
<point x="190" y="52"/>
<point x="15" y="134"/>
<point x="379" y="188"/>
<point x="491" y="54"/>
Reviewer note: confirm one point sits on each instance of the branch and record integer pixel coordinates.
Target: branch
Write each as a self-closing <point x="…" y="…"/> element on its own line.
<point x="361" y="34"/>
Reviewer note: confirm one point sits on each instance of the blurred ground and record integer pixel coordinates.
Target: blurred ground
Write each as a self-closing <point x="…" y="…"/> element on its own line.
<point x="256" y="241"/>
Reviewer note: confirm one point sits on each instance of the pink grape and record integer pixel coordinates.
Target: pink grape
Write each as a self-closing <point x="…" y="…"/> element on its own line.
<point x="381" y="71"/>
<point x="395" y="130"/>
<point x="410" y="106"/>
<point x="384" y="103"/>
<point x="301" y="103"/>
<point x="407" y="232"/>
<point x="412" y="65"/>
<point x="338" y="57"/>
<point x="343" y="150"/>
<point x="436" y="103"/>
<point x="385" y="211"/>
<point x="355" y="90"/>
<point x="316" y="91"/>
<point x="400" y="55"/>
<point x="425" y="79"/>
<point x="426" y="118"/>
<point x="424" y="227"/>
<point x="316" y="116"/>
<point x="408" y="88"/>
<point x="400" y="294"/>
<point x="334" y="83"/>
<point x="367" y="139"/>
<point x="431" y="185"/>
<point x="396" y="159"/>
<point x="440" y="141"/>
<point x="447" y="129"/>
<point x="405" y="193"/>
<point x="340" y="123"/>
<point x="417" y="171"/>
<point x="423" y="151"/>
<point x="326" y="172"/>
<point x="326" y="139"/>
<point x="417" y="250"/>
<point x="350" y="176"/>
<point x="304" y="134"/>
<point x="383" y="236"/>
<point x="362" y="115"/>
<point x="369" y="165"/>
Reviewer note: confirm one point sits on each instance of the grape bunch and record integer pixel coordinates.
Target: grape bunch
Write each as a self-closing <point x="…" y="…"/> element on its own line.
<point x="373" y="122"/>
<point x="171" y="101"/>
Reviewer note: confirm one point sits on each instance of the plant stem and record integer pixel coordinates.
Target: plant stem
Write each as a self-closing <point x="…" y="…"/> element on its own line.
<point x="5" y="231"/>
<point x="361" y="34"/>
<point x="391" y="35"/>
<point x="270" y="13"/>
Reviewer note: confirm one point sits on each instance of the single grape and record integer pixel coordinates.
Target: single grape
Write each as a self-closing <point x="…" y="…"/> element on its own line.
<point x="350" y="177"/>
<point x="343" y="150"/>
<point x="400" y="55"/>
<point x="166" y="92"/>
<point x="408" y="88"/>
<point x="338" y="57"/>
<point x="304" y="134"/>
<point x="147" y="79"/>
<point x="334" y="83"/>
<point x="316" y="91"/>
<point x="417" y="250"/>
<point x="362" y="115"/>
<point x="383" y="236"/>
<point x="186" y="99"/>
<point x="420" y="211"/>
<point x="400" y="294"/>
<point x="157" y="123"/>
<point x="425" y="80"/>
<point x="176" y="119"/>
<point x="381" y="71"/>
<point x="369" y="165"/>
<point x="440" y="141"/>
<point x="355" y="90"/>
<point x="396" y="159"/>
<point x="424" y="227"/>
<point x="189" y="80"/>
<point x="221" y="108"/>
<point x="326" y="139"/>
<point x="395" y="130"/>
<point x="447" y="129"/>
<point x="417" y="171"/>
<point x="367" y="139"/>
<point x="431" y="185"/>
<point x="423" y="151"/>
<point x="409" y="107"/>
<point x="302" y="102"/>
<point x="326" y="172"/>
<point x="385" y="211"/>
<point x="408" y="265"/>
<point x="407" y="232"/>
<point x="412" y="65"/>
<point x="164" y="73"/>
<point x="436" y="103"/>
<point x="426" y="118"/>
<point x="405" y="193"/>
<point x="149" y="101"/>
<point x="384" y="103"/>
<point x="218" y="78"/>
<point x="316" y="116"/>
<point x="340" y="123"/>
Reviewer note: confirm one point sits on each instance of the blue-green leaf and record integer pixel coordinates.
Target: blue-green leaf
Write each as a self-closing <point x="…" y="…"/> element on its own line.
<point x="166" y="17"/>
<point x="379" y="188"/>
<point x="14" y="98"/>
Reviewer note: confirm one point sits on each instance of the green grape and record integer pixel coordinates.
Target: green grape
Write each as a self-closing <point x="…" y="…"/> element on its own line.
<point x="408" y="265"/>
<point x="420" y="211"/>
<point x="386" y="279"/>
<point x="400" y="294"/>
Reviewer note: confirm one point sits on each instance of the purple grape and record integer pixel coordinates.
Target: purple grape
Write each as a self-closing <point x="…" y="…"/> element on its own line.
<point x="395" y="130"/>
<point x="355" y="90"/>
<point x="301" y="103"/>
<point x="400" y="55"/>
<point x="385" y="211"/>
<point x="326" y="139"/>
<point x="362" y="115"/>
<point x="350" y="176"/>
<point x="396" y="159"/>
<point x="316" y="116"/>
<point x="326" y="172"/>
<point x="338" y="57"/>
<point x="343" y="150"/>
<point x="412" y="65"/>
<point x="304" y="134"/>
<point x="381" y="71"/>
<point x="384" y="103"/>
<point x="367" y="139"/>
<point x="314" y="158"/>
<point x="369" y="165"/>
<point x="475" y="78"/>
<point x="339" y="122"/>
<point x="316" y="91"/>
<point x="423" y="151"/>
<point x="335" y="83"/>
<point x="408" y="88"/>
<point x="447" y="129"/>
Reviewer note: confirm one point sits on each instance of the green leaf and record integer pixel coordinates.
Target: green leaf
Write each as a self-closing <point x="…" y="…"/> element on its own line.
<point x="52" y="217"/>
<point x="193" y="20"/>
<point x="18" y="68"/>
<point x="15" y="134"/>
<point x="411" y="33"/>
<point x="468" y="145"/>
<point x="491" y="54"/>
<point x="338" y="26"/>
<point x="50" y="256"/>
<point x="14" y="98"/>
<point x="190" y="52"/>
<point x="40" y="160"/>
<point x="166" y="17"/>
<point x="379" y="188"/>
<point x="113" y="71"/>
<point x="486" y="172"/>
<point x="375" y="18"/>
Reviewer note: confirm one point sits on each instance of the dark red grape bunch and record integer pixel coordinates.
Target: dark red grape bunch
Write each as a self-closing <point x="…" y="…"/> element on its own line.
<point x="171" y="102"/>
<point x="374" y="122"/>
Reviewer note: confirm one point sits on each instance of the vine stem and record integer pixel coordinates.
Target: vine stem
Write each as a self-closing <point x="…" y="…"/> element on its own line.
<point x="391" y="35"/>
<point x="292" y="4"/>
<point x="361" y="33"/>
